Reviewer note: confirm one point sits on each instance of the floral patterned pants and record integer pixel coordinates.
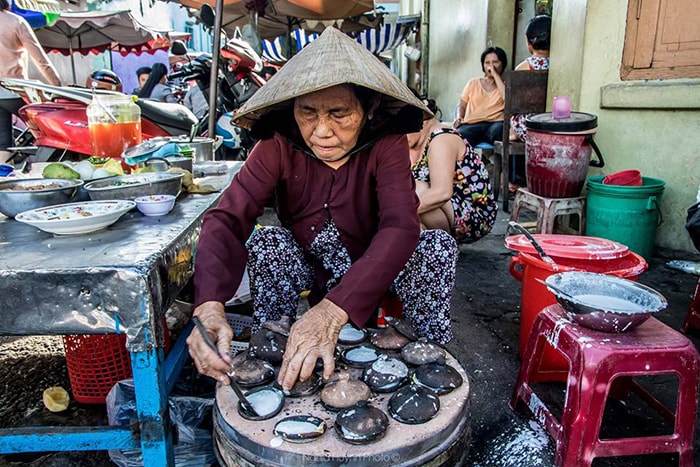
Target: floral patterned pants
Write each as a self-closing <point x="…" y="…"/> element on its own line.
<point x="279" y="272"/>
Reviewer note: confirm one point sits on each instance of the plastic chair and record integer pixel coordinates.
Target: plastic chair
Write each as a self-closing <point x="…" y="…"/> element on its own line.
<point x="548" y="209"/>
<point x="488" y="152"/>
<point x="596" y="359"/>
<point x="526" y="92"/>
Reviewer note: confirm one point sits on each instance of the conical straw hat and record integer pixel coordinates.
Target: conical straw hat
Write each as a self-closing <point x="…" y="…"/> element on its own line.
<point x="332" y="59"/>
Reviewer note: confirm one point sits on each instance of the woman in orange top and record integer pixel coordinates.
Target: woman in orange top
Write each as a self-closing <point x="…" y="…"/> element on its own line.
<point x="480" y="114"/>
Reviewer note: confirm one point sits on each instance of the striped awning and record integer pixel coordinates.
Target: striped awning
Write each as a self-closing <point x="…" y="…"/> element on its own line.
<point x="275" y="51"/>
<point x="387" y="37"/>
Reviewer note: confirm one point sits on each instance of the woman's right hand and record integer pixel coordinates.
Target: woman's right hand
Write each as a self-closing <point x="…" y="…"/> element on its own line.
<point x="210" y="363"/>
<point x="457" y="122"/>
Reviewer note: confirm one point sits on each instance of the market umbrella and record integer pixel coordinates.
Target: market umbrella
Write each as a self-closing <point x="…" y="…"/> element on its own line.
<point x="38" y="13"/>
<point x="272" y="18"/>
<point x="95" y="31"/>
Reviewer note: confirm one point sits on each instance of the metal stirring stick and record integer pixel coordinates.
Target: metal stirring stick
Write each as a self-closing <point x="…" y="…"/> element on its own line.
<point x="241" y="397"/>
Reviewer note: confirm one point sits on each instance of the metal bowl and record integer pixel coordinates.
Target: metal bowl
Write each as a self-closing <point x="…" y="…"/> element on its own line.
<point x="33" y="193"/>
<point x="81" y="194"/>
<point x="134" y="186"/>
<point x="603" y="302"/>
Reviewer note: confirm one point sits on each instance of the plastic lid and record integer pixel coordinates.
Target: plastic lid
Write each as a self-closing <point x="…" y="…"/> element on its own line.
<point x="145" y="150"/>
<point x="569" y="246"/>
<point x="576" y="123"/>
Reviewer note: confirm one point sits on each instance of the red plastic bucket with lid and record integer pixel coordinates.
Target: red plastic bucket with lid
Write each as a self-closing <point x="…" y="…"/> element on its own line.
<point x="570" y="253"/>
<point x="558" y="153"/>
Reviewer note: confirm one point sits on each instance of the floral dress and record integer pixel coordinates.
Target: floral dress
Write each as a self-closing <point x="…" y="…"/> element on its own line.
<point x="517" y="122"/>
<point x="472" y="198"/>
<point x="280" y="269"/>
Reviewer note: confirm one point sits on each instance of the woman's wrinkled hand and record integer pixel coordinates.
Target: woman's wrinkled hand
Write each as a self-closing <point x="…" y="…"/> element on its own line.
<point x="210" y="363"/>
<point x="313" y="336"/>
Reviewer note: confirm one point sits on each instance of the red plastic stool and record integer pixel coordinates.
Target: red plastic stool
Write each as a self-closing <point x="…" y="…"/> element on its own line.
<point x="596" y="359"/>
<point x="389" y="305"/>
<point x="692" y="319"/>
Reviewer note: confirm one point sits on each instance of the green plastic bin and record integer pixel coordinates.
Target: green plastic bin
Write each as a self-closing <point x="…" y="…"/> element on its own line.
<point x="625" y="214"/>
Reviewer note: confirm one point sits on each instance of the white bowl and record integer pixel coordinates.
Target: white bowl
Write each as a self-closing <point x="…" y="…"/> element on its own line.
<point x="155" y="205"/>
<point x="76" y="218"/>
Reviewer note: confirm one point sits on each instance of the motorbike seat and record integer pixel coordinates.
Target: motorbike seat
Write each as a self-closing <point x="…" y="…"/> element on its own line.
<point x="167" y="114"/>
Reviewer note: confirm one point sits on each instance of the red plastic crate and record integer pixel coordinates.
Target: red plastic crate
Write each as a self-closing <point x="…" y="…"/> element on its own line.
<point x="95" y="364"/>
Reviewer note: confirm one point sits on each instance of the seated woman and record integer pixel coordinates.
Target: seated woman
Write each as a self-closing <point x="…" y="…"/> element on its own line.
<point x="155" y="87"/>
<point x="537" y="35"/>
<point x="452" y="182"/>
<point x="480" y="114"/>
<point x="332" y="150"/>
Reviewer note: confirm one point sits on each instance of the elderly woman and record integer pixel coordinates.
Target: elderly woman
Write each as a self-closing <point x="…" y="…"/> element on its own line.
<point x="333" y="153"/>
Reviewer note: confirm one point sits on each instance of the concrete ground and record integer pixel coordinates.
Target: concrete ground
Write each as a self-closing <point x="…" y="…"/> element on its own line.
<point x="486" y="317"/>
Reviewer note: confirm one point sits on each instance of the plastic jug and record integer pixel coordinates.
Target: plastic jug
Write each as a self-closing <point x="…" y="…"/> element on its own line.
<point x="558" y="153"/>
<point x="114" y="121"/>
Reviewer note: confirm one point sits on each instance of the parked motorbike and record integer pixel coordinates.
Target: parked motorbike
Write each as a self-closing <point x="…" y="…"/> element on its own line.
<point x="238" y="80"/>
<point x="56" y="117"/>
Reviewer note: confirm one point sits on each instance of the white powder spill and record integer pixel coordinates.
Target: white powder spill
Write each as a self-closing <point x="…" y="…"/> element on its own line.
<point x="276" y="442"/>
<point x="553" y="337"/>
<point x="522" y="445"/>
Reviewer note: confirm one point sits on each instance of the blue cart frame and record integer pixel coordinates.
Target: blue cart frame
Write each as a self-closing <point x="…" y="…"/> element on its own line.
<point x="118" y="280"/>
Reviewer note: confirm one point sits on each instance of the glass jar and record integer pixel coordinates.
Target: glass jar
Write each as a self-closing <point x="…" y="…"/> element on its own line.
<point x="115" y="124"/>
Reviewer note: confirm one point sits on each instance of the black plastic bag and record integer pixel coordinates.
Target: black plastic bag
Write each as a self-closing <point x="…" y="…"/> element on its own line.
<point x="194" y="447"/>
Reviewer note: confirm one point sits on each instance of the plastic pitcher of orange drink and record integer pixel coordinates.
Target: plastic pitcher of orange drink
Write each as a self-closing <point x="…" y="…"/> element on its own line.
<point x="114" y="121"/>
